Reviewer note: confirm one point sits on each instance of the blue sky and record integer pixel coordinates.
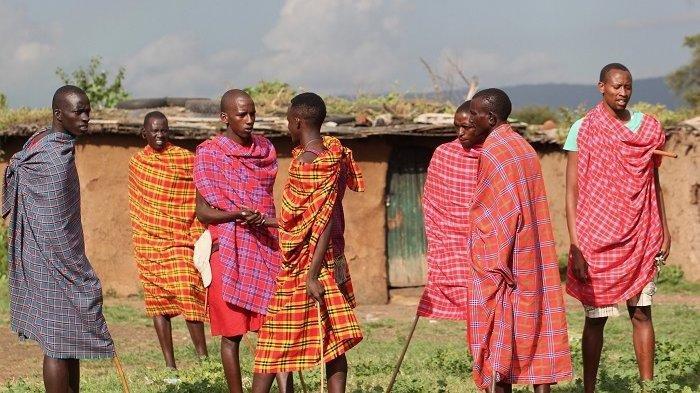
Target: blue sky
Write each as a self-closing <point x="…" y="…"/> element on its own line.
<point x="187" y="48"/>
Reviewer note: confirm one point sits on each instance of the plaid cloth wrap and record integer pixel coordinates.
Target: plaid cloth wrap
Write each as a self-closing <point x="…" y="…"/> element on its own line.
<point x="55" y="295"/>
<point x="289" y="338"/>
<point x="161" y="207"/>
<point x="617" y="217"/>
<point x="517" y="322"/>
<point x="231" y="176"/>
<point x="447" y="196"/>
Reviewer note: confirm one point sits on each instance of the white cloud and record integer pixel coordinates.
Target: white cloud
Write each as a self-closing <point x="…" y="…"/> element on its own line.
<point x="335" y="46"/>
<point x="498" y="69"/>
<point x="176" y="65"/>
<point x="660" y="21"/>
<point x="26" y="50"/>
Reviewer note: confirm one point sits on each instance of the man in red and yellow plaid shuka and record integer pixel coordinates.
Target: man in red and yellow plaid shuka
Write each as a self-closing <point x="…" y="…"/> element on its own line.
<point x="311" y="319"/>
<point x="162" y="210"/>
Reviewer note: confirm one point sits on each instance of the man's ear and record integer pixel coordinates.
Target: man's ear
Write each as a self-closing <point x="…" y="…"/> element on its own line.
<point x="492" y="119"/>
<point x="58" y="114"/>
<point x="143" y="132"/>
<point x="224" y="118"/>
<point x="601" y="87"/>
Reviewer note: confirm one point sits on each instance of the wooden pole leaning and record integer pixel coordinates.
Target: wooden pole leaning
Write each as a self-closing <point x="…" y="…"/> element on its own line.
<point x="120" y="373"/>
<point x="403" y="353"/>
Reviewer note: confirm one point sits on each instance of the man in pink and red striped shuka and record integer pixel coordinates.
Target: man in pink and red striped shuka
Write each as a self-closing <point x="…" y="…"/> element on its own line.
<point x="616" y="218"/>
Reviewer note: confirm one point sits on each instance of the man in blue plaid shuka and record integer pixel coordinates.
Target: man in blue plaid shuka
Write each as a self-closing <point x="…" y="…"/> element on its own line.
<point x="55" y="295"/>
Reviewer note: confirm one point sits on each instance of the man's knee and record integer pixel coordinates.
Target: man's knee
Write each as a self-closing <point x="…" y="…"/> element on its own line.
<point x="639" y="314"/>
<point x="233" y="340"/>
<point x="595" y="323"/>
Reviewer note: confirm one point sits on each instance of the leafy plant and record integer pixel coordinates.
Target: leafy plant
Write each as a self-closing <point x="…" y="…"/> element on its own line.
<point x="95" y="82"/>
<point x="3" y="101"/>
<point x="685" y="81"/>
<point x="534" y="114"/>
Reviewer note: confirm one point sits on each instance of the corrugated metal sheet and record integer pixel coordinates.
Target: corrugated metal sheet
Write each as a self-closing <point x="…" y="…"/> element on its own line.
<point x="406" y="244"/>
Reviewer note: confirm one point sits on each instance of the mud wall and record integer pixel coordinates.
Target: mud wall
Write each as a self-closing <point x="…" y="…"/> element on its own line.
<point x="103" y="162"/>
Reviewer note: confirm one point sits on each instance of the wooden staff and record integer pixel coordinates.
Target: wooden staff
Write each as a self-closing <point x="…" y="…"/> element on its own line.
<point x="120" y="373"/>
<point x="320" y="334"/>
<point x="665" y="153"/>
<point x="403" y="353"/>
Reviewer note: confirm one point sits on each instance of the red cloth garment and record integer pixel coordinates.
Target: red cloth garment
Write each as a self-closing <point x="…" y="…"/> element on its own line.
<point x="225" y="318"/>
<point x="617" y="217"/>
<point x="517" y="321"/>
<point x="447" y="197"/>
<point x="230" y="176"/>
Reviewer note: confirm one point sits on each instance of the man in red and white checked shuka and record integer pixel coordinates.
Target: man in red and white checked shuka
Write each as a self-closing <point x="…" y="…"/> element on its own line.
<point x="517" y="322"/>
<point x="161" y="206"/>
<point x="617" y="223"/>
<point x="311" y="320"/>
<point x="447" y="196"/>
<point x="234" y="173"/>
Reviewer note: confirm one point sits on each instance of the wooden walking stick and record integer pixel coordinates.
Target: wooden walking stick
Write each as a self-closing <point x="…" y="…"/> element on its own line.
<point x="403" y="353"/>
<point x="120" y="373"/>
<point x="320" y="335"/>
<point x="665" y="153"/>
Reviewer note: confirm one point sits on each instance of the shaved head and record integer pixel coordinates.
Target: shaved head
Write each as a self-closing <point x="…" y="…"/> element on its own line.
<point x="464" y="108"/>
<point x="62" y="94"/>
<point x="495" y="101"/>
<point x="230" y="98"/>
<point x="609" y="67"/>
<point x="153" y="115"/>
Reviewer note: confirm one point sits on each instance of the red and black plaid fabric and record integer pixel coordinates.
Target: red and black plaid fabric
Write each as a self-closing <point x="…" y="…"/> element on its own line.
<point x="161" y="207"/>
<point x="618" y="225"/>
<point x="289" y="340"/>
<point x="517" y="322"/>
<point x="447" y="196"/>
<point x="230" y="176"/>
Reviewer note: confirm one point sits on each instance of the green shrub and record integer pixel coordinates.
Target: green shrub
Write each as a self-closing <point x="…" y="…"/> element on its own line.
<point x="535" y="114"/>
<point x="102" y="92"/>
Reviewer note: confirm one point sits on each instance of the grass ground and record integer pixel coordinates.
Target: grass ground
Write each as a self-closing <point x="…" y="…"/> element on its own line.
<point x="436" y="361"/>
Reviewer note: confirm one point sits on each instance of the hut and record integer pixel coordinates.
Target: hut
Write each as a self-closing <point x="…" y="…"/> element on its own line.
<point x="385" y="239"/>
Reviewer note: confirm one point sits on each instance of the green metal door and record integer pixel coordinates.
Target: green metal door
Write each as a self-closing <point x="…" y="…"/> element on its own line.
<point x="406" y="243"/>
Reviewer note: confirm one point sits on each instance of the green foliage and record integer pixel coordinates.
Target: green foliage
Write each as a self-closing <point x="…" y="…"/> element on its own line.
<point x="535" y="114"/>
<point x="271" y="97"/>
<point x="13" y="117"/>
<point x="667" y="117"/>
<point x="95" y="82"/>
<point x="685" y="81"/>
<point x="3" y="101"/>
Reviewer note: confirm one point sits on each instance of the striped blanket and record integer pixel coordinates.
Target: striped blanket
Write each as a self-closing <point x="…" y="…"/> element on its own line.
<point x="161" y="207"/>
<point x="230" y="176"/>
<point x="617" y="218"/>
<point x="55" y="295"/>
<point x="517" y="322"/>
<point x="289" y="340"/>
<point x="447" y="196"/>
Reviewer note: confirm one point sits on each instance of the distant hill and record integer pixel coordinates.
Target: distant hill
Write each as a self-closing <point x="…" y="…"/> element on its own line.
<point x="652" y="90"/>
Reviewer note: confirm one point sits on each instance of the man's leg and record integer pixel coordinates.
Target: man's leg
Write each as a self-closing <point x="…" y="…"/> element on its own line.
<point x="502" y="387"/>
<point x="262" y="382"/>
<point x="196" y="329"/>
<point x="74" y="375"/>
<point x="543" y="388"/>
<point x="230" y="361"/>
<point x="337" y="374"/>
<point x="644" y="340"/>
<point x="285" y="382"/>
<point x="56" y="375"/>
<point x="592" y="346"/>
<point x="165" y="338"/>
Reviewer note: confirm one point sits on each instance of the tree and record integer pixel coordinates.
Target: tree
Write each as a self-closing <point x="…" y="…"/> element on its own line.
<point x="3" y="101"/>
<point x="685" y="81"/>
<point x="95" y="82"/>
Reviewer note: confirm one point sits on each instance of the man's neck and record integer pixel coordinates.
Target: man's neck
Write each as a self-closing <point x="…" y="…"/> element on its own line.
<point x="237" y="139"/>
<point x="622" y="115"/>
<point x="308" y="136"/>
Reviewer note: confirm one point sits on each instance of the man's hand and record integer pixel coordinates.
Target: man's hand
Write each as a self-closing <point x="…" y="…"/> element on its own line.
<point x="315" y="289"/>
<point x="580" y="268"/>
<point x="666" y="244"/>
<point x="250" y="216"/>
